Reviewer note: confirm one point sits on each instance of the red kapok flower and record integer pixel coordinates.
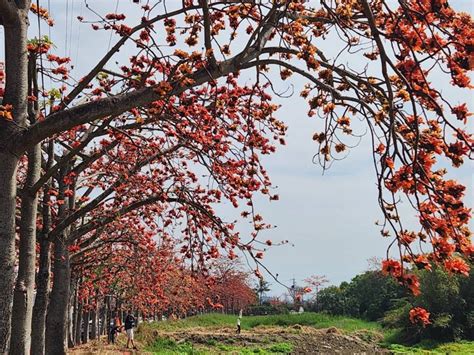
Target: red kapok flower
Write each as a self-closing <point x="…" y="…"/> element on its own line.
<point x="457" y="265"/>
<point x="420" y="316"/>
<point x="392" y="267"/>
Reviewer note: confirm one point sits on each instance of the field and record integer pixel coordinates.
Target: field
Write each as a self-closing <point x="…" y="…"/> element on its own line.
<point x="299" y="333"/>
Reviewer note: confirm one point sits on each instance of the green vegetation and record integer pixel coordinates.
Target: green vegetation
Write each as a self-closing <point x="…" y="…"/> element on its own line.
<point x="450" y="301"/>
<point x="429" y="347"/>
<point x="170" y="346"/>
<point x="372" y="306"/>
<point x="366" y="330"/>
<point x="317" y="320"/>
<point x="368" y="296"/>
<point x="375" y="297"/>
<point x="160" y="338"/>
<point x="167" y="346"/>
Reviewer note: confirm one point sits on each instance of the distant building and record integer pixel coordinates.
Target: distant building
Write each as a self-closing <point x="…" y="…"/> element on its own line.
<point x="265" y="299"/>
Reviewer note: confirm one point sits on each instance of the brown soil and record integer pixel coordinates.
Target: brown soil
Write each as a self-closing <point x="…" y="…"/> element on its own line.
<point x="101" y="347"/>
<point x="305" y="340"/>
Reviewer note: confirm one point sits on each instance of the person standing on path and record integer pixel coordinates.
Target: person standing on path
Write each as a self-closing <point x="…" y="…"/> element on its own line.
<point x="115" y="327"/>
<point x="238" y="322"/>
<point x="129" y="324"/>
<point x="238" y="326"/>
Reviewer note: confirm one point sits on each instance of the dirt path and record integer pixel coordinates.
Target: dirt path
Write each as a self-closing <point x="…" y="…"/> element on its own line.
<point x="305" y="340"/>
<point x="103" y="348"/>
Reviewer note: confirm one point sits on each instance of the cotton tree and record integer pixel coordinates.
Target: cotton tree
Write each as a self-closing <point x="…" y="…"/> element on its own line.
<point x="148" y="277"/>
<point x="412" y="124"/>
<point x="129" y="170"/>
<point x="313" y="285"/>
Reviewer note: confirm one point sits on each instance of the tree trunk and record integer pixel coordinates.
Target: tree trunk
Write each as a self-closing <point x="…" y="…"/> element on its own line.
<point x="56" y="320"/>
<point x="41" y="300"/>
<point x="71" y="321"/>
<point x="95" y="318"/>
<point x="15" y="24"/>
<point x="93" y="324"/>
<point x="8" y="166"/>
<point x="75" y="306"/>
<point x="25" y="283"/>
<point x="57" y="317"/>
<point x="104" y="321"/>
<point x="78" y="325"/>
<point x="43" y="277"/>
<point x="87" y="317"/>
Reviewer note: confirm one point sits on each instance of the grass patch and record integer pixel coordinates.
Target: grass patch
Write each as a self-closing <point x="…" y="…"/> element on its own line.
<point x="170" y="346"/>
<point x="317" y="320"/>
<point x="431" y="347"/>
<point x="279" y="348"/>
<point x="167" y="346"/>
<point x="368" y="331"/>
<point x="394" y="341"/>
<point x="284" y="348"/>
<point x="162" y="345"/>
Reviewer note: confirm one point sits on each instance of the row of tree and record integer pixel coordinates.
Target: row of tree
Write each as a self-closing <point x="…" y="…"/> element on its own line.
<point x="145" y="149"/>
<point x="154" y="285"/>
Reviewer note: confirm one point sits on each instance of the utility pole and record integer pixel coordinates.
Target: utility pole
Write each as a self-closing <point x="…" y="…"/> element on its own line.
<point x="293" y="291"/>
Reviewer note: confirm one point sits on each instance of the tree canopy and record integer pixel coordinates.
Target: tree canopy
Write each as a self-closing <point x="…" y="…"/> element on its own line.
<point x="145" y="149"/>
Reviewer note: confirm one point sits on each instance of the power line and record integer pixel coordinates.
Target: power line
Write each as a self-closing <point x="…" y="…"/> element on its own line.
<point x="66" y="32"/>
<point x="71" y="28"/>
<point x="76" y="58"/>
<point x="111" y="32"/>
<point x="49" y="12"/>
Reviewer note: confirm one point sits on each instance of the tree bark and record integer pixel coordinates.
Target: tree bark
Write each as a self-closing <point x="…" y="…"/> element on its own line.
<point x="103" y="316"/>
<point x="57" y="316"/>
<point x="23" y="296"/>
<point x="43" y="277"/>
<point x="78" y="324"/>
<point x="56" y="320"/>
<point x="71" y="318"/>
<point x="24" y="289"/>
<point x="95" y="319"/>
<point x="41" y="300"/>
<point x="8" y="166"/>
<point x="75" y="306"/>
<point x="87" y="317"/>
<point x="15" y="22"/>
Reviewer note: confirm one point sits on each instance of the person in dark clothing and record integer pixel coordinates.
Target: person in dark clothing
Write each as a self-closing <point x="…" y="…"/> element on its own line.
<point x="114" y="328"/>
<point x="129" y="324"/>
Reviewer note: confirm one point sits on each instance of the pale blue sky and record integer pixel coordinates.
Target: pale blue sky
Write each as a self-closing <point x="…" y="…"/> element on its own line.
<point x="328" y="218"/>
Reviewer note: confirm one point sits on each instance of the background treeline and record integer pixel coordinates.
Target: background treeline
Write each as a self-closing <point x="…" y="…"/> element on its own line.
<point x="374" y="296"/>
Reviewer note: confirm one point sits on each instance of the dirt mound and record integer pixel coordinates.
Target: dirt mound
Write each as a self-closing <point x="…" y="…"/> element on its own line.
<point x="324" y="342"/>
<point x="305" y="340"/>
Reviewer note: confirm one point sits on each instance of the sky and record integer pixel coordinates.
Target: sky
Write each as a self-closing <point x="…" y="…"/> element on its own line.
<point x="328" y="218"/>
